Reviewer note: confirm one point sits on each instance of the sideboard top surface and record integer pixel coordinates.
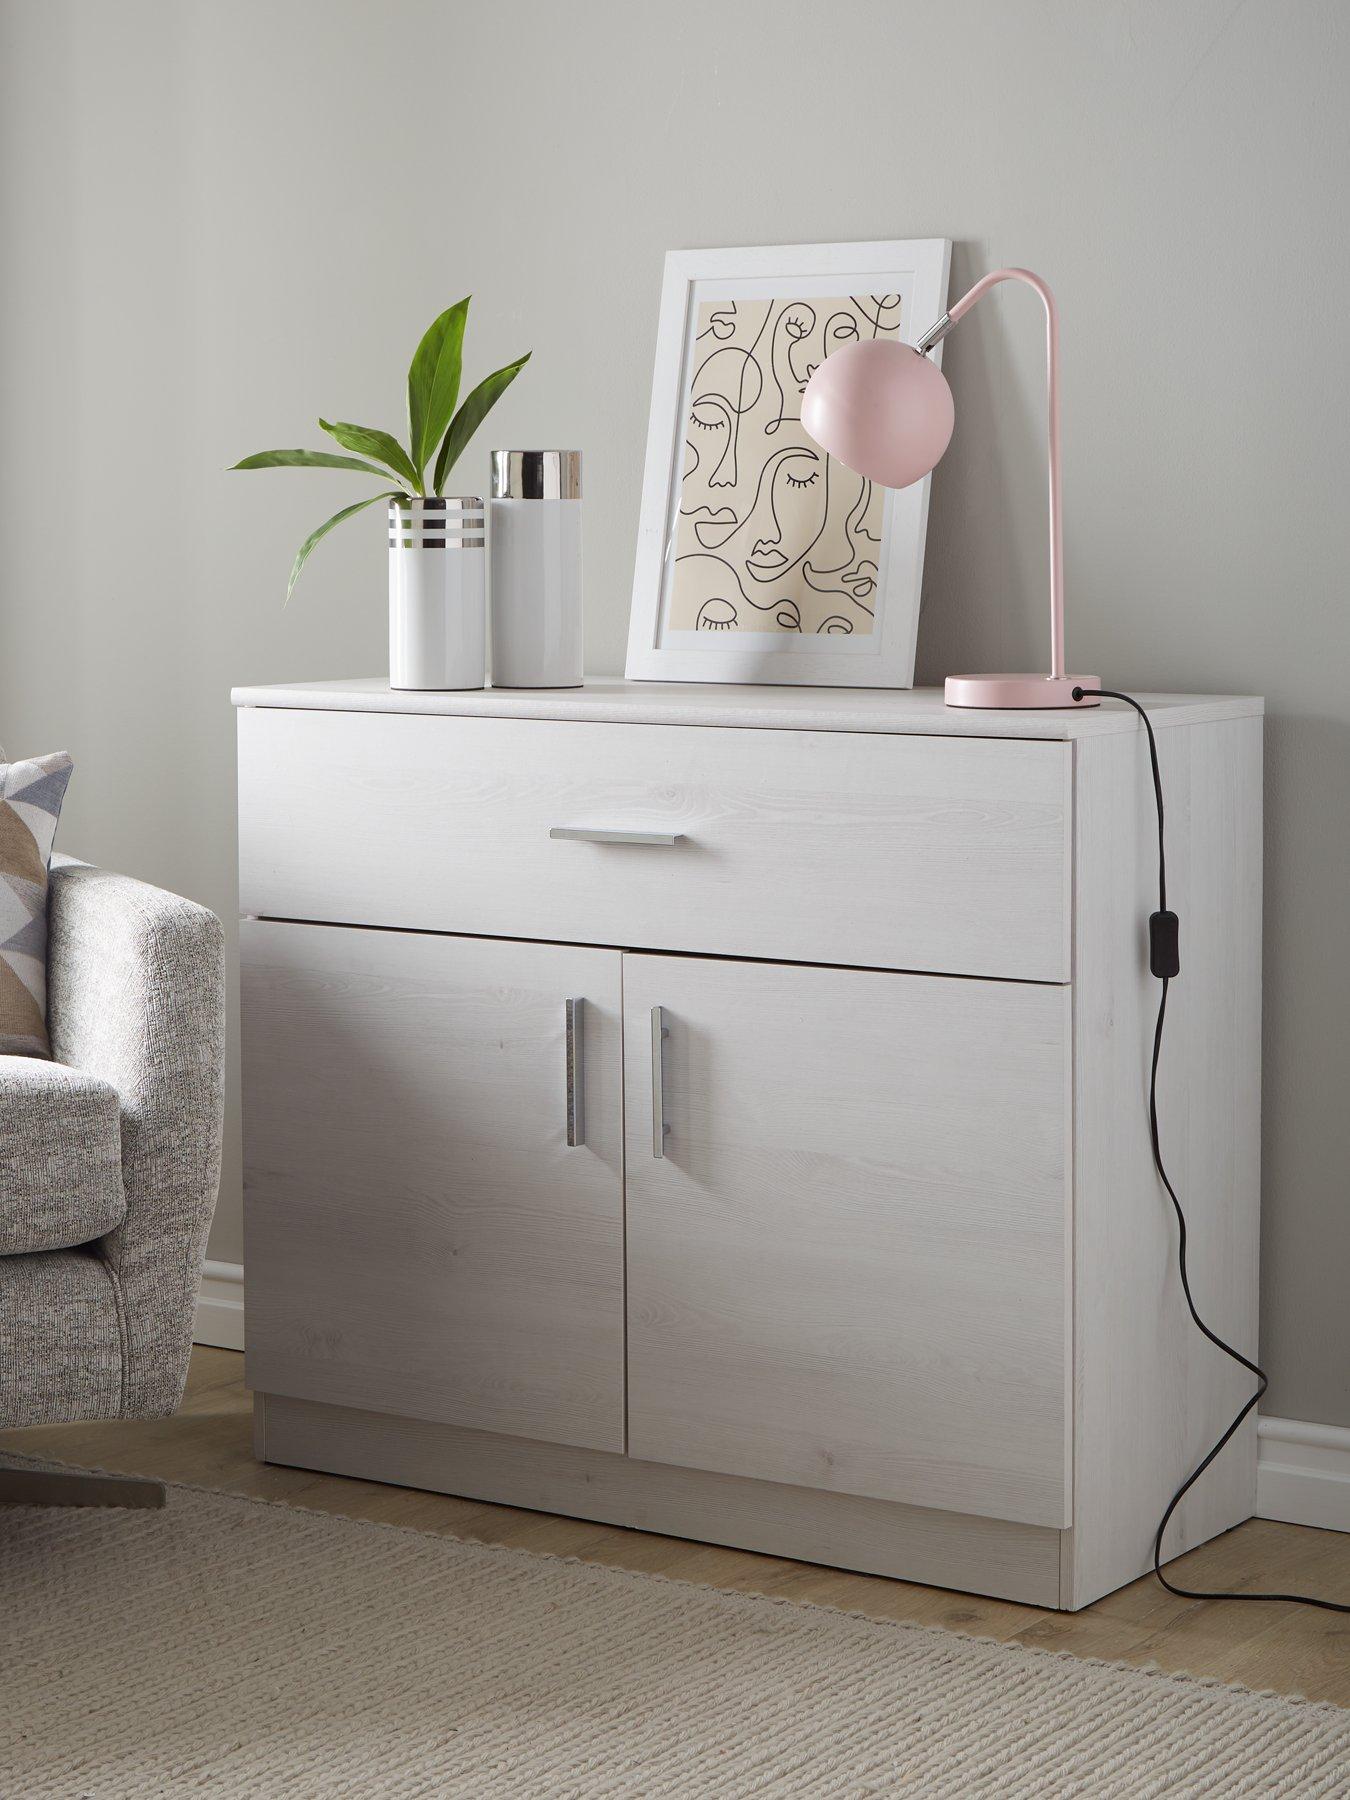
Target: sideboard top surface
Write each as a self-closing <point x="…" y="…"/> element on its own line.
<point x="608" y="700"/>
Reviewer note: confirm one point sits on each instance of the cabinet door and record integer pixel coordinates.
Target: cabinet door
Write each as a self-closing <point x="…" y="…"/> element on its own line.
<point x="420" y="1236"/>
<point x="849" y="1269"/>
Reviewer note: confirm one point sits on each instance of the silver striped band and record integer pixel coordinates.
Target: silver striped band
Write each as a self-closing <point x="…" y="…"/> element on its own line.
<point x="437" y="522"/>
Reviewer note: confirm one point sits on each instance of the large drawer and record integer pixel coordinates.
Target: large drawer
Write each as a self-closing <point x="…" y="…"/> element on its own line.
<point x="930" y="853"/>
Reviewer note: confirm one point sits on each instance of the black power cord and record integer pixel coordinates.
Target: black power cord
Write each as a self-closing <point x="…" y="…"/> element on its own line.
<point x="1165" y="963"/>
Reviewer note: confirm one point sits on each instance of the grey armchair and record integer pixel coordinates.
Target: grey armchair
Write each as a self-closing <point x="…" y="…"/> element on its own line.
<point x="109" y="1167"/>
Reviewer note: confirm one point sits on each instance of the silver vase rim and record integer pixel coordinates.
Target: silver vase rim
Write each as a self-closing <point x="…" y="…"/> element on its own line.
<point x="536" y="474"/>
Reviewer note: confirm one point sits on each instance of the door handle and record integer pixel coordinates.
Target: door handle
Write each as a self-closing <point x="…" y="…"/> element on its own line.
<point x="660" y="1032"/>
<point x="575" y="1011"/>
<point x="585" y="834"/>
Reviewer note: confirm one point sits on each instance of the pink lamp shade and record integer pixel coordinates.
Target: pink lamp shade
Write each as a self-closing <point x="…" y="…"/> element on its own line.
<point x="882" y="409"/>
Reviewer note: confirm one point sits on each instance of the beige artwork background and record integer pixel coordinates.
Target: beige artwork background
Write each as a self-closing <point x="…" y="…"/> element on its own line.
<point x="772" y="534"/>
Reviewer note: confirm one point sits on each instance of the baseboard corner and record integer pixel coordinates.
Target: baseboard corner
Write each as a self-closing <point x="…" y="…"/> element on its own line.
<point x="1303" y="1473"/>
<point x="220" y="1306"/>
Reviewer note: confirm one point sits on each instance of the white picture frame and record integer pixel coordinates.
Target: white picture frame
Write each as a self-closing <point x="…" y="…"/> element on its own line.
<point x="724" y="291"/>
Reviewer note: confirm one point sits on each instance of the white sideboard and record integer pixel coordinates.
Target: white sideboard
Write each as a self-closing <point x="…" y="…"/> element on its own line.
<point x="723" y="1111"/>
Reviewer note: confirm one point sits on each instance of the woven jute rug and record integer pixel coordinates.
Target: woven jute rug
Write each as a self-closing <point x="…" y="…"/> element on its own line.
<point x="235" y="1647"/>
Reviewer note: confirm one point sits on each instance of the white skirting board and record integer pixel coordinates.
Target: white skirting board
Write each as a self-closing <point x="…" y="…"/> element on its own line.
<point x="220" y="1306"/>
<point x="1303" y="1471"/>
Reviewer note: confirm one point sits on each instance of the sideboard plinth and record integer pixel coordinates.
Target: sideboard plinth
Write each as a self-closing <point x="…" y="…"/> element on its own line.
<point x="875" y="1537"/>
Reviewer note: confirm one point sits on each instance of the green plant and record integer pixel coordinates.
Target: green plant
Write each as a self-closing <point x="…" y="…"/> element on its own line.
<point x="434" y="427"/>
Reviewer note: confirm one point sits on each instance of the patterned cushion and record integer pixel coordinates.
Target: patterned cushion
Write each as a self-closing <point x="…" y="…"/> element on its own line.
<point x="30" y="804"/>
<point x="60" y="1157"/>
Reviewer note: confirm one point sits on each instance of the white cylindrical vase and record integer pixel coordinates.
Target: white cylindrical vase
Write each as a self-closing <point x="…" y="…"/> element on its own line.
<point x="535" y="515"/>
<point x="437" y="625"/>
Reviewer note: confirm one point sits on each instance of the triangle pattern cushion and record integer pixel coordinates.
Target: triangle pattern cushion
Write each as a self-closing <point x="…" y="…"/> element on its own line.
<point x="45" y="788"/>
<point x="23" y="1030"/>
<point x="29" y="939"/>
<point x="31" y="793"/>
<point x="21" y="861"/>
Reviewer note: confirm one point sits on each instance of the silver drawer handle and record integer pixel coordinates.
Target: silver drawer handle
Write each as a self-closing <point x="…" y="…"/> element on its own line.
<point x="660" y="1033"/>
<point x="584" y="834"/>
<point x="576" y="1072"/>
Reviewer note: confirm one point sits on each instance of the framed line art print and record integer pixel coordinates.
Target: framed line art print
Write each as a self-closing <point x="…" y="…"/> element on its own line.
<point x="760" y="558"/>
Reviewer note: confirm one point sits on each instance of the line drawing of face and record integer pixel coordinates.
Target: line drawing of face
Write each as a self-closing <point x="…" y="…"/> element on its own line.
<point x="721" y="324"/>
<point x="768" y="534"/>
<point x="716" y="614"/>
<point x="801" y="339"/>
<point x="727" y="383"/>
<point x="787" y="517"/>
<point x="848" y="548"/>
<point x="711" y="582"/>
<point x="795" y="351"/>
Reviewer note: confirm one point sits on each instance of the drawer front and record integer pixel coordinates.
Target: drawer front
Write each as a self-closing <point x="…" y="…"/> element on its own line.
<point x="927" y="853"/>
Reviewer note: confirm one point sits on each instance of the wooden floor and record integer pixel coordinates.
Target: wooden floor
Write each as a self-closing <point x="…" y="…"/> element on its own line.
<point x="1291" y="1649"/>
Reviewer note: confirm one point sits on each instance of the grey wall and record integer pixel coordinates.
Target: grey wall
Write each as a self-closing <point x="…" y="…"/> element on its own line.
<point x="222" y="219"/>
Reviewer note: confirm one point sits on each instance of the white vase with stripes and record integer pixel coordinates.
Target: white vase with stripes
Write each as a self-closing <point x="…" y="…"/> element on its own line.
<point x="437" y="603"/>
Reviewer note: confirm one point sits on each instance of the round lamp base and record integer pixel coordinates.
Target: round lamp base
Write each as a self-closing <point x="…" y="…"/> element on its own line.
<point x="1020" y="693"/>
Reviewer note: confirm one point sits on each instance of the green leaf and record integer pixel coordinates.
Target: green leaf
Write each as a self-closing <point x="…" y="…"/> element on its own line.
<point x="369" y="442"/>
<point x="302" y="554"/>
<point x="433" y="382"/>
<point x="305" y="459"/>
<point x="471" y="415"/>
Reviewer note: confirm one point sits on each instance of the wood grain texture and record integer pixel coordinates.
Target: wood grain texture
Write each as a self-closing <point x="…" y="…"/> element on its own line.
<point x="855" y="1270"/>
<point x="608" y="700"/>
<point x="850" y="1270"/>
<point x="1011" y="1561"/>
<point x="888" y="852"/>
<point x="419" y="1237"/>
<point x="1151" y="1394"/>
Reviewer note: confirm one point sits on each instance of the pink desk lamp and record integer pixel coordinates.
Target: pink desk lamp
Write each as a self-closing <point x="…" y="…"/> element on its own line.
<point x="886" y="411"/>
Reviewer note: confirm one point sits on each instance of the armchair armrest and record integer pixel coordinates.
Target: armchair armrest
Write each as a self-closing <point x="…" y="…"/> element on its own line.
<point x="136" y="996"/>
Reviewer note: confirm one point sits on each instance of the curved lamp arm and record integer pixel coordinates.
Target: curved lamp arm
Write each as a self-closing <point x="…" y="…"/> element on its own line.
<point x="935" y="335"/>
